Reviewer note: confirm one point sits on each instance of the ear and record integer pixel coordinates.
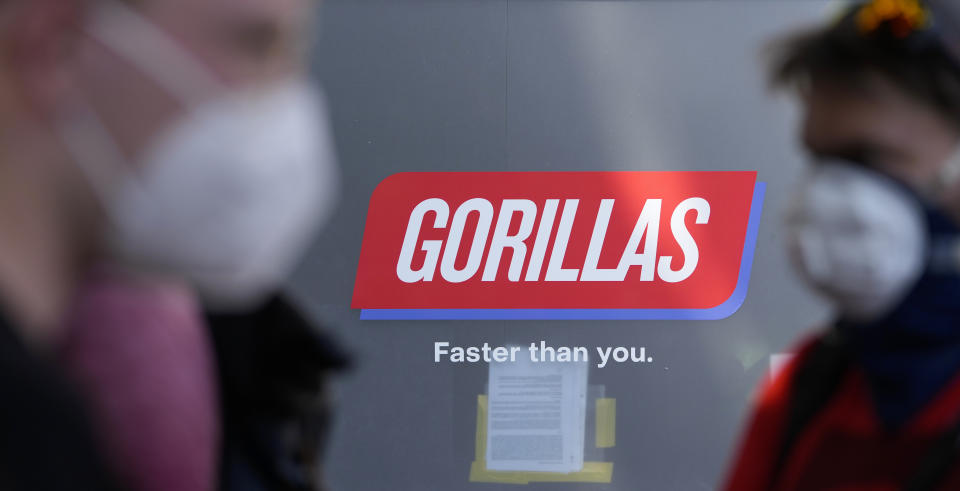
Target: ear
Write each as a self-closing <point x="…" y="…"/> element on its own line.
<point x="36" y="43"/>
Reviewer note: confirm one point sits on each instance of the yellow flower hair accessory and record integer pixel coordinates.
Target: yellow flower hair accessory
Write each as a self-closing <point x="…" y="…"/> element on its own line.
<point x="903" y="17"/>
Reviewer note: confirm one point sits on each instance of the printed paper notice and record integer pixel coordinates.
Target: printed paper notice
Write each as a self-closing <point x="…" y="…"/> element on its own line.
<point x="536" y="416"/>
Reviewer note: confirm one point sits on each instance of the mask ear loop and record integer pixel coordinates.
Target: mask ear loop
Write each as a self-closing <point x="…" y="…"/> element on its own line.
<point x="139" y="42"/>
<point x="94" y="151"/>
<point x="154" y="52"/>
<point x="945" y="255"/>
<point x="947" y="177"/>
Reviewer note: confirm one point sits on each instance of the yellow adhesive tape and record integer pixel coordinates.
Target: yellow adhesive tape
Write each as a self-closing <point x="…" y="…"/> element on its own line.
<point x="606" y="430"/>
<point x="595" y="472"/>
<point x="480" y="449"/>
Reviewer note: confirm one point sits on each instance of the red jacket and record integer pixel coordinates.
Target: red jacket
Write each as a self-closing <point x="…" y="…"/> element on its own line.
<point x="844" y="447"/>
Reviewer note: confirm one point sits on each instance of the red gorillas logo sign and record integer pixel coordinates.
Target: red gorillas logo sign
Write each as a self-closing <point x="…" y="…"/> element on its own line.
<point x="558" y="245"/>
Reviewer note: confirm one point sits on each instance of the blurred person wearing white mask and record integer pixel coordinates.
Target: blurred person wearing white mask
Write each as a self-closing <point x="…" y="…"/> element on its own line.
<point x="208" y="151"/>
<point x="205" y="139"/>
<point x="873" y="401"/>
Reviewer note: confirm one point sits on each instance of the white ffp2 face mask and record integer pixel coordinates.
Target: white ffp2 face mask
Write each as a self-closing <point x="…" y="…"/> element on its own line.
<point x="858" y="238"/>
<point x="228" y="196"/>
<point x="864" y="239"/>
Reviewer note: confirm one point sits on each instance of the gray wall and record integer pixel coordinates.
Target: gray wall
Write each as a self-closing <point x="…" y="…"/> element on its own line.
<point x="553" y="85"/>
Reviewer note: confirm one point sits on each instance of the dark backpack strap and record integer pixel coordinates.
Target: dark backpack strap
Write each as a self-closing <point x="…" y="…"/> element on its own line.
<point x="814" y="383"/>
<point x="937" y="462"/>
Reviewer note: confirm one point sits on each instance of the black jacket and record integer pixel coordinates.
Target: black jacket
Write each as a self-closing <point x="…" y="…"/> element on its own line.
<point x="273" y="366"/>
<point x="46" y="443"/>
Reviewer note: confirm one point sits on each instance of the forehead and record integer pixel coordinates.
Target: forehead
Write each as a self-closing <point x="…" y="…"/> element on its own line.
<point x="874" y="112"/>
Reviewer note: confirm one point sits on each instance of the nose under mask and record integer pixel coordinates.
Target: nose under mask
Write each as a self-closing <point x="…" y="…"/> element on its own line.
<point x="230" y="194"/>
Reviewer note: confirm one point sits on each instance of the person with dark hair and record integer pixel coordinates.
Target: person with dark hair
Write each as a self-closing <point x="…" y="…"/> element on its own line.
<point x="873" y="402"/>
